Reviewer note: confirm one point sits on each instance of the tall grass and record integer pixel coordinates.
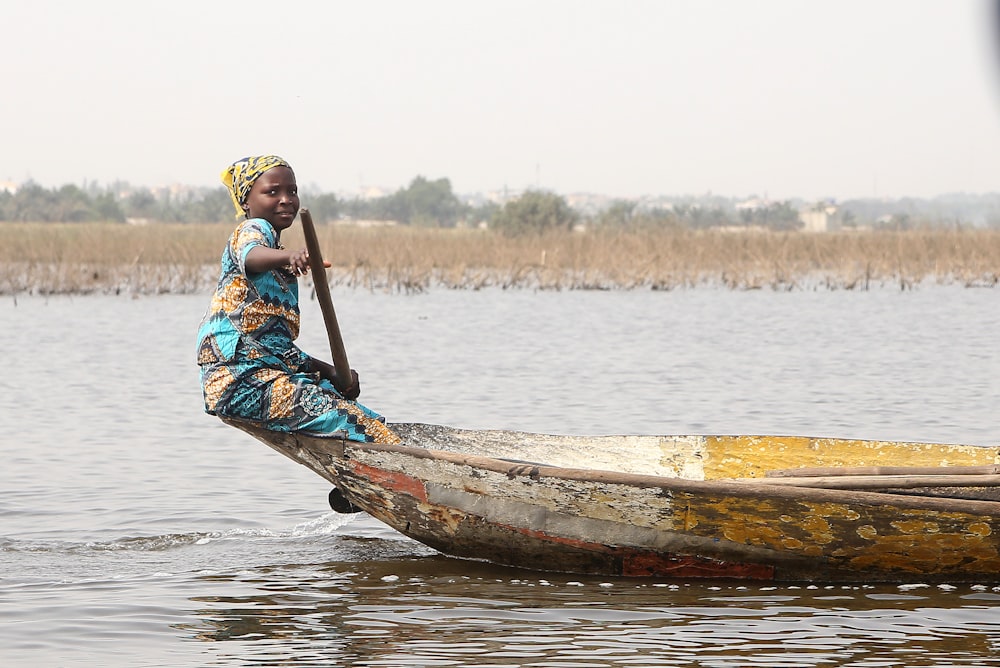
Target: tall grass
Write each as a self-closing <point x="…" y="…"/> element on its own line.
<point x="89" y="258"/>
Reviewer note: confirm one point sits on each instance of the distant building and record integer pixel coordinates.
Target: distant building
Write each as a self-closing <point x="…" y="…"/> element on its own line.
<point x="754" y="204"/>
<point x="368" y="193"/>
<point x="501" y="197"/>
<point x="820" y="218"/>
<point x="588" y="203"/>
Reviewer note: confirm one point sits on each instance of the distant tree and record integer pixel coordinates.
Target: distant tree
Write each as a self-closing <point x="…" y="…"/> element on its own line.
<point x="626" y="215"/>
<point x="620" y="215"/>
<point x="778" y="216"/>
<point x="699" y="217"/>
<point x="212" y="206"/>
<point x="72" y="205"/>
<point x="105" y="209"/>
<point x="68" y="204"/>
<point x="34" y="203"/>
<point x="429" y="203"/>
<point x="324" y="207"/>
<point x="534" y="212"/>
<point x="354" y="208"/>
<point x="432" y="202"/>
<point x="782" y="216"/>
<point x="481" y="214"/>
<point x="897" y="221"/>
<point x="140" y="204"/>
<point x="423" y="202"/>
<point x="659" y="218"/>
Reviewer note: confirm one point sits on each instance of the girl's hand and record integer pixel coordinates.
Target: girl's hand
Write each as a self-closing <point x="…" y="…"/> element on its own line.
<point x="298" y="262"/>
<point x="351" y="393"/>
<point x="329" y="372"/>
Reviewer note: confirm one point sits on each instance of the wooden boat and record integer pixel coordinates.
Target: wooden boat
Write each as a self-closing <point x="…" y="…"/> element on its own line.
<point x="753" y="507"/>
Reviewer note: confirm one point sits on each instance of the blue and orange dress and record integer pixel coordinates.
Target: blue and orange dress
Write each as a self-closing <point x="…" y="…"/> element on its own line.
<point x="251" y="368"/>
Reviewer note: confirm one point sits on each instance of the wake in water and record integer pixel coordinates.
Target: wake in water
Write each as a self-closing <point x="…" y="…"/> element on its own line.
<point x="329" y="524"/>
<point x="327" y="539"/>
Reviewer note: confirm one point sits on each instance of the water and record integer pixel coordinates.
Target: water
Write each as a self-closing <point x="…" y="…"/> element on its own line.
<point x="137" y="531"/>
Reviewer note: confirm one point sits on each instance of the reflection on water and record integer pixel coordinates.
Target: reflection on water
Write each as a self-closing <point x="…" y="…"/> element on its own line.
<point x="435" y="612"/>
<point x="137" y="531"/>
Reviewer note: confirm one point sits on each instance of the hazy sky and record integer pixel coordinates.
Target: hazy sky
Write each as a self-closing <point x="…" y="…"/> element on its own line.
<point x="787" y="98"/>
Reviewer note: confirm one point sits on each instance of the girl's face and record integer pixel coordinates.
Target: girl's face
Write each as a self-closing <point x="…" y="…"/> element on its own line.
<point x="274" y="197"/>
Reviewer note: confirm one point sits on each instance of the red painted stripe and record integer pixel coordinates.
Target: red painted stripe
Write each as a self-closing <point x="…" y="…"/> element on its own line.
<point x="590" y="546"/>
<point x="393" y="480"/>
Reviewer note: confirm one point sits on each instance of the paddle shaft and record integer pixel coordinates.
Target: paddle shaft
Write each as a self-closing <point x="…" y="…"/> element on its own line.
<point x="984" y="469"/>
<point x="340" y="363"/>
<point x="880" y="481"/>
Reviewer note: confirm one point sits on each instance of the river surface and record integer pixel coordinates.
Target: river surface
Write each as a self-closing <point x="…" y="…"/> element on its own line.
<point x="137" y="531"/>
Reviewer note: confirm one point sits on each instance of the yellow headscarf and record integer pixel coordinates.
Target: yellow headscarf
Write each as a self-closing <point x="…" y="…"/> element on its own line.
<point x="240" y="175"/>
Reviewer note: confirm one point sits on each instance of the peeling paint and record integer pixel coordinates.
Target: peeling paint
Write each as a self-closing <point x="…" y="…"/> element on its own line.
<point x="867" y="532"/>
<point x="980" y="529"/>
<point x="917" y="527"/>
<point x="753" y="456"/>
<point x="398" y="482"/>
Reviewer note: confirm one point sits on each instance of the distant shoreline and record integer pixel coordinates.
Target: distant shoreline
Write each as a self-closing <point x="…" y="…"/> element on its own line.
<point x="50" y="259"/>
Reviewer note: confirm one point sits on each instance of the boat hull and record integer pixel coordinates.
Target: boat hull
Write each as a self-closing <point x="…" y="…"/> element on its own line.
<point x="593" y="521"/>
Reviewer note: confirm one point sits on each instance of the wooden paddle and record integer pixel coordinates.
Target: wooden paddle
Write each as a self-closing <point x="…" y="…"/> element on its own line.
<point x="983" y="469"/>
<point x="881" y="481"/>
<point x="340" y="363"/>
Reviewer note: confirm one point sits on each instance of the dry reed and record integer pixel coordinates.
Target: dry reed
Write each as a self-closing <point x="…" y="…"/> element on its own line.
<point x="96" y="258"/>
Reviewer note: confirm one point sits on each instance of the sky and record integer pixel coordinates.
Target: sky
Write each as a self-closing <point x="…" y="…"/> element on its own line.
<point x="770" y="98"/>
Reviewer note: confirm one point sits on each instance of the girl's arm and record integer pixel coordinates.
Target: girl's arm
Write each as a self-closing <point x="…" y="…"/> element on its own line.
<point x="262" y="258"/>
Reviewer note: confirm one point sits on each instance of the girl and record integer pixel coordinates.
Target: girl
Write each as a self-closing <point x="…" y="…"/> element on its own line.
<point x="251" y="368"/>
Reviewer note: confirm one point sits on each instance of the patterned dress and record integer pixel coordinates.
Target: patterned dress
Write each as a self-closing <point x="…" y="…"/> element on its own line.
<point x="250" y="367"/>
